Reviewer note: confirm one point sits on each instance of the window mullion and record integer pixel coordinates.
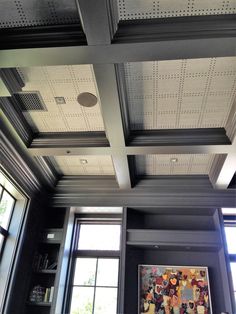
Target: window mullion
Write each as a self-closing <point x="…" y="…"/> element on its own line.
<point x="3" y="231"/>
<point x="95" y="283"/>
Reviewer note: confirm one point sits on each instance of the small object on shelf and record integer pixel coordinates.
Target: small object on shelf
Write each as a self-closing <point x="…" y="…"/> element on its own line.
<point x="47" y="295"/>
<point x="51" y="294"/>
<point x="52" y="266"/>
<point x="37" y="294"/>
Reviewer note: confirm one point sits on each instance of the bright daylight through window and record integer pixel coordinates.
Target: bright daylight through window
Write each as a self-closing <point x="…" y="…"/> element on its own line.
<point x="7" y="203"/>
<point x="95" y="282"/>
<point x="230" y="232"/>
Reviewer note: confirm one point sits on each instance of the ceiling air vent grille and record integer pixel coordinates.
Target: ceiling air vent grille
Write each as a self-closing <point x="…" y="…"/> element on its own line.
<point x="30" y="101"/>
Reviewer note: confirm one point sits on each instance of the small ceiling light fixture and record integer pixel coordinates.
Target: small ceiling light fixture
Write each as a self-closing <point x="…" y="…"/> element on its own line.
<point x="60" y="100"/>
<point x="87" y="99"/>
<point x="83" y="161"/>
<point x="174" y="160"/>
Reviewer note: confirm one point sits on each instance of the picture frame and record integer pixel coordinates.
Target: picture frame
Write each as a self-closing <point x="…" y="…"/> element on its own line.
<point x="165" y="289"/>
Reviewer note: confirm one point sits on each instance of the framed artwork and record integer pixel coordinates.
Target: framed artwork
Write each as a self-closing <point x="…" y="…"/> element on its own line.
<point x="174" y="290"/>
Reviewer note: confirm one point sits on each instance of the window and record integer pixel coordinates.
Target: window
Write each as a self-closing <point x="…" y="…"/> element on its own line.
<point x="7" y="203"/>
<point x="13" y="207"/>
<point x="230" y="232"/>
<point x="94" y="286"/>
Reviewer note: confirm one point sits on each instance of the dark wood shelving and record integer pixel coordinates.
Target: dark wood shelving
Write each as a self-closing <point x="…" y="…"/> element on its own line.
<point x="39" y="303"/>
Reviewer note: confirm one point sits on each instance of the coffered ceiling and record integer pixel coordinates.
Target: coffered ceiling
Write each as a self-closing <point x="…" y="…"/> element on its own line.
<point x="149" y="9"/>
<point x="67" y="82"/>
<point x="164" y="74"/>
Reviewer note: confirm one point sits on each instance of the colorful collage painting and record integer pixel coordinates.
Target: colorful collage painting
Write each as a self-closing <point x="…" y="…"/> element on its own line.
<point x="173" y="290"/>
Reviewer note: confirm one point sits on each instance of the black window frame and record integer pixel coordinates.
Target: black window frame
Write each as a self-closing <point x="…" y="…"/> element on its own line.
<point x="5" y="231"/>
<point x="106" y="219"/>
<point x="230" y="221"/>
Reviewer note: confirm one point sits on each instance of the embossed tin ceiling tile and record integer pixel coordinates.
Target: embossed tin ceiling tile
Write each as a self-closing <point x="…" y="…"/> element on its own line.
<point x="67" y="82"/>
<point x="149" y="9"/>
<point x="182" y="95"/>
<point x="162" y="165"/>
<point x="96" y="165"/>
<point x="24" y="13"/>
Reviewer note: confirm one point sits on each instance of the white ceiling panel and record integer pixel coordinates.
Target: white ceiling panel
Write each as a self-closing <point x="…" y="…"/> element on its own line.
<point x="149" y="9"/>
<point x="23" y="13"/>
<point x="67" y="82"/>
<point x="196" y="93"/>
<point x="185" y="164"/>
<point x="72" y="165"/>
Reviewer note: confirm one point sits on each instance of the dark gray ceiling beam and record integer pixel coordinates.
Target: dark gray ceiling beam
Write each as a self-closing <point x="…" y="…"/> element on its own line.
<point x="176" y="28"/>
<point x="179" y="149"/>
<point x="119" y="53"/>
<point x="106" y="79"/>
<point x="42" y="36"/>
<point x="78" y="183"/>
<point x="226" y="172"/>
<point x="157" y="198"/>
<point x="96" y="20"/>
<point x="70" y="139"/>
<point x="130" y="150"/>
<point x="208" y="136"/>
<point x="70" y="151"/>
<point x="224" y="166"/>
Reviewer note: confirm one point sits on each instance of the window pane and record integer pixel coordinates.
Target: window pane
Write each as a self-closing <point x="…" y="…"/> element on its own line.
<point x="229" y="211"/>
<point x="99" y="237"/>
<point x="1" y="241"/>
<point x="107" y="273"/>
<point x="230" y="238"/>
<point x="85" y="271"/>
<point x="82" y="300"/>
<point x="233" y="270"/>
<point x="6" y="206"/>
<point x="105" y="301"/>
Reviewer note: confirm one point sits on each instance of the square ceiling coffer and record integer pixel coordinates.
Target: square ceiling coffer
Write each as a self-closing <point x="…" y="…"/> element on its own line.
<point x="30" y="101"/>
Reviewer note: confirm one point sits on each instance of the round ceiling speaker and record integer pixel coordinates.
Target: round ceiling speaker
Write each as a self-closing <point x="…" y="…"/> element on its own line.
<point x="87" y="99"/>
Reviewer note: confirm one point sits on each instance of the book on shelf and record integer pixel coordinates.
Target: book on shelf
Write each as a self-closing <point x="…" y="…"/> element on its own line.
<point x="51" y="294"/>
<point x="52" y="265"/>
<point x="47" y="295"/>
<point x="42" y="262"/>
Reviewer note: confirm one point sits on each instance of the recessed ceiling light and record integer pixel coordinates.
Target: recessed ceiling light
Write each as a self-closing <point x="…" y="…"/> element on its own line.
<point x="83" y="161"/>
<point x="174" y="160"/>
<point x="87" y="99"/>
<point x="60" y="100"/>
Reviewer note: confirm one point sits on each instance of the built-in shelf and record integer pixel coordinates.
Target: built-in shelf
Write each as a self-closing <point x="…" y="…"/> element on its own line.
<point x="39" y="303"/>
<point x="183" y="238"/>
<point x="46" y="271"/>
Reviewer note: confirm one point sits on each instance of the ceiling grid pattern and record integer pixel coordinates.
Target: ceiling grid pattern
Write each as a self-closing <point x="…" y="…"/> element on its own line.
<point x="198" y="164"/>
<point x="196" y="93"/>
<point x="67" y="82"/>
<point x="96" y="165"/>
<point x="149" y="9"/>
<point x="23" y="13"/>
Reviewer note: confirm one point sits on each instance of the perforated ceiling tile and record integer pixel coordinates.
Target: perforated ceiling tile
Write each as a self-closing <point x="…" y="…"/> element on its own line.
<point x="148" y="9"/>
<point x="67" y="82"/>
<point x="23" y="13"/>
<point x="196" y="93"/>
<point x="95" y="165"/>
<point x="162" y="164"/>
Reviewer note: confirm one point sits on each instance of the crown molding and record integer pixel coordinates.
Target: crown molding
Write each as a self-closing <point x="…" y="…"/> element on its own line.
<point x="48" y="170"/>
<point x="17" y="162"/>
<point x="42" y="36"/>
<point x="13" y="113"/>
<point x="12" y="80"/>
<point x="206" y="136"/>
<point x="186" y="27"/>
